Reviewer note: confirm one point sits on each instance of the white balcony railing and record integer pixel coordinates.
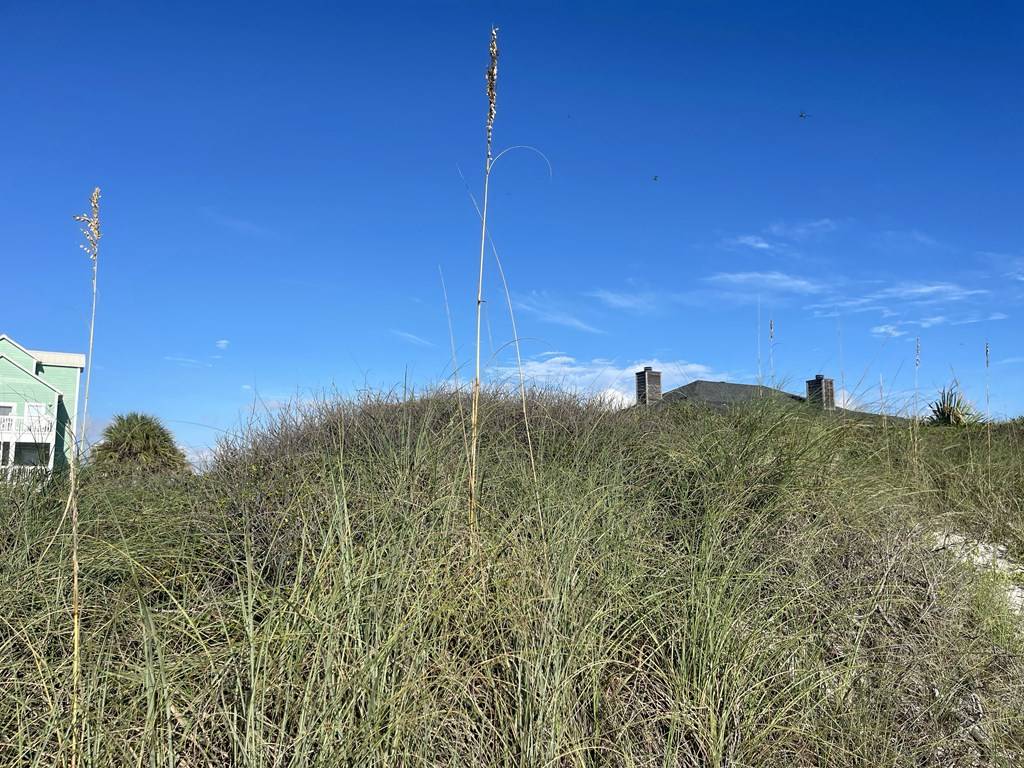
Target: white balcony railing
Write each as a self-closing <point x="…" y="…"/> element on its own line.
<point x="35" y="429"/>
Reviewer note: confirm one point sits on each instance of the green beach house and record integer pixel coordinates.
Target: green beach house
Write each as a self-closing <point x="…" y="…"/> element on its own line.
<point x="38" y="406"/>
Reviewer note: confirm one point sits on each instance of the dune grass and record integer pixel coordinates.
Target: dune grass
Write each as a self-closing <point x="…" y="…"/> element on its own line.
<point x="751" y="588"/>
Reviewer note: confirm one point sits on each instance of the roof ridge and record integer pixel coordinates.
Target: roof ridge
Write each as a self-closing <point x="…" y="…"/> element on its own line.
<point x="52" y="357"/>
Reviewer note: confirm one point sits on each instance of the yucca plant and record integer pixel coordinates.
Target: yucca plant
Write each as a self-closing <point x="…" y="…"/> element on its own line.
<point x="952" y="408"/>
<point x="137" y="442"/>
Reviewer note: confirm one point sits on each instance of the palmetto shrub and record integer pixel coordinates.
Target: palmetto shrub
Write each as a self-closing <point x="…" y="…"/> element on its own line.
<point x="953" y="408"/>
<point x="137" y="442"/>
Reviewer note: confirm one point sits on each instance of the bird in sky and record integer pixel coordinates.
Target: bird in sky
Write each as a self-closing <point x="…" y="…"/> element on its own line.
<point x="803" y="115"/>
<point x="655" y="178"/>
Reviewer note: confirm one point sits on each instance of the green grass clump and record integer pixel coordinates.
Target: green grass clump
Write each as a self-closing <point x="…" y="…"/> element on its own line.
<point x="755" y="587"/>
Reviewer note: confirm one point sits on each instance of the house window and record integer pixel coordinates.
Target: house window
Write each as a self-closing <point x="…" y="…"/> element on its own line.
<point x="31" y="454"/>
<point x="6" y="417"/>
<point x="37" y="421"/>
<point x="35" y="410"/>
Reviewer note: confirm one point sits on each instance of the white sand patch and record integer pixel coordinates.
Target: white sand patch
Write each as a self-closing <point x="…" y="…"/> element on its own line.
<point x="985" y="556"/>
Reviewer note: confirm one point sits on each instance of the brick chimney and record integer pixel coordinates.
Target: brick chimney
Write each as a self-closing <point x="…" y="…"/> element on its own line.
<point x="648" y="386"/>
<point x="821" y="392"/>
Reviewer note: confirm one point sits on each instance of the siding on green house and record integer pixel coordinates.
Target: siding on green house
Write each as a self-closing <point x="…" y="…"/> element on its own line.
<point x="26" y="378"/>
<point x="63" y="439"/>
<point x="12" y="351"/>
<point x="66" y="380"/>
<point x="18" y="387"/>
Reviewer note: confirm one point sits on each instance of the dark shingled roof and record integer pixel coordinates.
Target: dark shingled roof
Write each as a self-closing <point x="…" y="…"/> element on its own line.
<point x="723" y="393"/>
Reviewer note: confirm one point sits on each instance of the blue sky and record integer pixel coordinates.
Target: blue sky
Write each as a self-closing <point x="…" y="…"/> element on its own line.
<point x="281" y="186"/>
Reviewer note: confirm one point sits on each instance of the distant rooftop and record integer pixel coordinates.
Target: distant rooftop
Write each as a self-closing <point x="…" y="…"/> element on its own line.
<point x="724" y="393"/>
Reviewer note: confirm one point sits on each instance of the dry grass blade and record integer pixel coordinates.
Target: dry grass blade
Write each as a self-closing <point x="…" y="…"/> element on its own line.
<point x="515" y="333"/>
<point x="455" y="362"/>
<point x="522" y="380"/>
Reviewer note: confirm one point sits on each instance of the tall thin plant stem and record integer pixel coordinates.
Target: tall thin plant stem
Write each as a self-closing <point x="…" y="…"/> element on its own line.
<point x="760" y="381"/>
<point x="515" y="336"/>
<point x="885" y="418"/>
<point x="522" y="381"/>
<point x="455" y="362"/>
<point x="988" y="405"/>
<point x="917" y="404"/>
<point x="842" y="367"/>
<point x="91" y="230"/>
<point x="474" y="420"/>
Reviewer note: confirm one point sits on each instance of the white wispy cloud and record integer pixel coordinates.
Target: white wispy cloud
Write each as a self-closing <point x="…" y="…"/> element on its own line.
<point x="187" y="362"/>
<point x="412" y="338"/>
<point x="888" y="330"/>
<point x="894" y="300"/>
<point x="897" y="328"/>
<point x="803" y="230"/>
<point x="615" y="399"/>
<point x="544" y="308"/>
<point x="199" y="456"/>
<point x="1010" y="361"/>
<point x="613" y="382"/>
<point x="635" y="302"/>
<point x="756" y="242"/>
<point x="908" y="238"/>
<point x="221" y="343"/>
<point x="928" y="293"/>
<point x="841" y="306"/>
<point x="981" y="318"/>
<point x="781" y="236"/>
<point x="239" y="225"/>
<point x="928" y="322"/>
<point x="767" y="282"/>
<point x="847" y="400"/>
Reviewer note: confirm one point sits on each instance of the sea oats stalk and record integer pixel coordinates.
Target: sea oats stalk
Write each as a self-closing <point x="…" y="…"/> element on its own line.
<point x="917" y="368"/>
<point x="988" y="402"/>
<point x="492" y="100"/>
<point x="760" y="379"/>
<point x="842" y="367"/>
<point x="91" y="231"/>
<point x="515" y="329"/>
<point x="917" y="403"/>
<point x="771" y="349"/>
<point x="885" y="418"/>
